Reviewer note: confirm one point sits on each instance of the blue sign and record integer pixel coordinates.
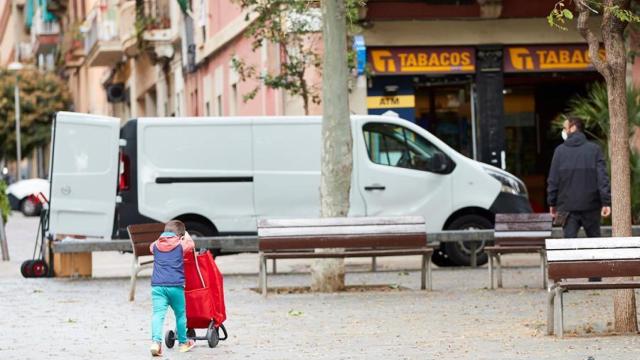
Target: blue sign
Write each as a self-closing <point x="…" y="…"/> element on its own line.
<point x="361" y="53"/>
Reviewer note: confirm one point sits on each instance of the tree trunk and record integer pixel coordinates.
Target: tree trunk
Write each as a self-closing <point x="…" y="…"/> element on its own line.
<point x="624" y="302"/>
<point x="614" y="71"/>
<point x="335" y="180"/>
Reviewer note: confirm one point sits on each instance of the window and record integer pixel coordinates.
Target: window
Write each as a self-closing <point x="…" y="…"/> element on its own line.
<point x="234" y="100"/>
<point x="394" y="145"/>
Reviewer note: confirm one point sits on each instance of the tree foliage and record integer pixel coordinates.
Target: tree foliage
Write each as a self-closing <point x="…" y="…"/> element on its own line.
<point x="5" y="208"/>
<point x="41" y="95"/>
<point x="294" y="26"/>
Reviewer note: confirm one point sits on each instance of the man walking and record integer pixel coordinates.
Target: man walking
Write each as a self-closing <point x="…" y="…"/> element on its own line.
<point x="578" y="189"/>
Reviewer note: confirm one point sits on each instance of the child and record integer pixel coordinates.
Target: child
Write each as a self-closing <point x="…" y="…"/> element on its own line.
<point x="167" y="284"/>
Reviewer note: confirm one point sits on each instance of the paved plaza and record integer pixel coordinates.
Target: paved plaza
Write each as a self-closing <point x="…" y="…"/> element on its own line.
<point x="460" y="319"/>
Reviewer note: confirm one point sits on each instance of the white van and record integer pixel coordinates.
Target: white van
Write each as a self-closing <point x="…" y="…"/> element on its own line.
<point x="219" y="175"/>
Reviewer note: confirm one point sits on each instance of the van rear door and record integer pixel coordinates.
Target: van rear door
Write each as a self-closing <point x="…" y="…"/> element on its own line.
<point x="84" y="170"/>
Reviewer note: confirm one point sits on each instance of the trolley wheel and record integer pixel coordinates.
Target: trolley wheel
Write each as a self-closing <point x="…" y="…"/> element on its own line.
<point x="191" y="333"/>
<point x="170" y="338"/>
<point x="25" y="268"/>
<point x="39" y="268"/>
<point x="212" y="335"/>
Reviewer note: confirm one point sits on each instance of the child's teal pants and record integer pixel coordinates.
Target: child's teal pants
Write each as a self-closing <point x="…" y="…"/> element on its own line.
<point x="161" y="298"/>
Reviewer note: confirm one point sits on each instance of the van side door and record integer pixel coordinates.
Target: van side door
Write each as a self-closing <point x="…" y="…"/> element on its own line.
<point x="402" y="173"/>
<point x="83" y="174"/>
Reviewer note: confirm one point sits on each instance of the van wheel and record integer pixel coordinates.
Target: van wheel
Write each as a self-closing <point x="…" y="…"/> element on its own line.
<point x="29" y="207"/>
<point x="199" y="229"/>
<point x="441" y="258"/>
<point x="460" y="252"/>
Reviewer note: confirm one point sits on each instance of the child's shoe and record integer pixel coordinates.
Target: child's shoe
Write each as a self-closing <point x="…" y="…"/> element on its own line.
<point x="156" y="349"/>
<point x="187" y="346"/>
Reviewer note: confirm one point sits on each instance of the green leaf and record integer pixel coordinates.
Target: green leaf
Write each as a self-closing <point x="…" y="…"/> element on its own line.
<point x="567" y="13"/>
<point x="295" y="313"/>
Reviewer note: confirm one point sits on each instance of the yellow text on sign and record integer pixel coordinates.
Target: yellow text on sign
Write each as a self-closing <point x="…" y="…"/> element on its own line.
<point x="522" y="58"/>
<point x="390" y="102"/>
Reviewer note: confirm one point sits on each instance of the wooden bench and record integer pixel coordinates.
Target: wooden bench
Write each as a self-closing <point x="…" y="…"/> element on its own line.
<point x="571" y="259"/>
<point x="518" y="233"/>
<point x="141" y="237"/>
<point x="359" y="237"/>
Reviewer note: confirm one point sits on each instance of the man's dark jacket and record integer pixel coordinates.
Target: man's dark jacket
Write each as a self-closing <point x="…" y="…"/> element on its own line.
<point x="578" y="179"/>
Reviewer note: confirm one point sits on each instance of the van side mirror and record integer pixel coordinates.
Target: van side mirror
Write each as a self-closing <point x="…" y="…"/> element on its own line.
<point x="439" y="163"/>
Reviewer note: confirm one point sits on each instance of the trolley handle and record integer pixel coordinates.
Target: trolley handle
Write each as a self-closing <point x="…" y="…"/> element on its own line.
<point x="195" y="257"/>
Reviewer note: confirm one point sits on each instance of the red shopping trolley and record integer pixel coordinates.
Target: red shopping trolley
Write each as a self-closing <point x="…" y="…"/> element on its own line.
<point x="204" y="296"/>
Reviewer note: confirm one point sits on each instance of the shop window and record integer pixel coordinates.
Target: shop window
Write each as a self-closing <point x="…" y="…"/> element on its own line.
<point x="394" y="145"/>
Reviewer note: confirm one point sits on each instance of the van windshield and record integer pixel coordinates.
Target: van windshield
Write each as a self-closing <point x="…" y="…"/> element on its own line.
<point x="394" y="145"/>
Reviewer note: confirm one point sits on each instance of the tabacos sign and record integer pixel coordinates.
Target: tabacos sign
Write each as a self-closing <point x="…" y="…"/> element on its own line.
<point x="421" y="60"/>
<point x="548" y="58"/>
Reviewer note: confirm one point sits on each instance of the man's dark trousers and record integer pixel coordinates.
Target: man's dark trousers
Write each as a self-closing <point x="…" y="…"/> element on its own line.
<point x="590" y="220"/>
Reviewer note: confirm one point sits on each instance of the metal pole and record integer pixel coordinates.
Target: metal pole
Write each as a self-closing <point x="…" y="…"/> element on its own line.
<point x="18" y="145"/>
<point x="3" y="241"/>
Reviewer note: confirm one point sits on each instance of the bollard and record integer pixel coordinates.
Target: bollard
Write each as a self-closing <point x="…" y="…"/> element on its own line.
<point x="3" y="241"/>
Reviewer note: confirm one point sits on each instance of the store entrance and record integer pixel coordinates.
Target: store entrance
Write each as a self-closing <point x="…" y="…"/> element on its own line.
<point x="445" y="111"/>
<point x="530" y="107"/>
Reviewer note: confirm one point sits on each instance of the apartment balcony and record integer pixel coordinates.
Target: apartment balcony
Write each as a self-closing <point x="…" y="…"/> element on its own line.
<point x="155" y="19"/>
<point x="127" y="28"/>
<point x="74" y="55"/>
<point x="45" y="35"/>
<point x="102" y="41"/>
<point x="58" y="7"/>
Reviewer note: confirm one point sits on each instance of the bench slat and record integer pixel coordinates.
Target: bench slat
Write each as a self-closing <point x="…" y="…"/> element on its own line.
<point x="512" y="249"/>
<point x="593" y="254"/>
<point x="600" y="285"/>
<point x="351" y="221"/>
<point x="341" y="230"/>
<point x="593" y="243"/>
<point x="343" y="241"/>
<point x="516" y="242"/>
<point x="501" y="218"/>
<point x="522" y="234"/>
<point x="582" y="269"/>
<point x="528" y="226"/>
<point x="367" y="253"/>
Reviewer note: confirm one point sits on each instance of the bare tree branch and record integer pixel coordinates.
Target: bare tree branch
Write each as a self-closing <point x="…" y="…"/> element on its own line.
<point x="584" y="12"/>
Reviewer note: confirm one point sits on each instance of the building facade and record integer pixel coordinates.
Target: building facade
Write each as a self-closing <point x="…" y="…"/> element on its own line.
<point x="487" y="77"/>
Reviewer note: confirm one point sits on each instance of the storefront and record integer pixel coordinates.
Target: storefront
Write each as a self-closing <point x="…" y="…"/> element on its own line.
<point x="492" y="103"/>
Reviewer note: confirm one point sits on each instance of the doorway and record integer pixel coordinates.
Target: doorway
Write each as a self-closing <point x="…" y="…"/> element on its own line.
<point x="446" y="112"/>
<point x="531" y="104"/>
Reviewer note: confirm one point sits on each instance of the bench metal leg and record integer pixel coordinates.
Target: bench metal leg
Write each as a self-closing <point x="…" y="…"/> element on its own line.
<point x="263" y="275"/>
<point x="543" y="268"/>
<point x="374" y="264"/>
<point x="474" y="256"/>
<point x="550" y="309"/>
<point x="429" y="280"/>
<point x="558" y="313"/>
<point x="499" y="268"/>
<point x="423" y="273"/>
<point x="490" y="270"/>
<point x="134" y="277"/>
<point x="273" y="266"/>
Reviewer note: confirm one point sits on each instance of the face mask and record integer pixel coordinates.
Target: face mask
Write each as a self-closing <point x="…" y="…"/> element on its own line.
<point x="564" y="135"/>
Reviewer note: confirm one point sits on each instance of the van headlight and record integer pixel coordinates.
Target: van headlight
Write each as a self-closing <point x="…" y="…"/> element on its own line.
<point x="510" y="184"/>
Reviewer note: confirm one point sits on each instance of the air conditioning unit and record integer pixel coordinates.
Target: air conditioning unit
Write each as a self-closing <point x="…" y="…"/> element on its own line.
<point x="116" y="93"/>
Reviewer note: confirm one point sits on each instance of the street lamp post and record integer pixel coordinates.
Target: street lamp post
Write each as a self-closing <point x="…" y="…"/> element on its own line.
<point x="16" y="66"/>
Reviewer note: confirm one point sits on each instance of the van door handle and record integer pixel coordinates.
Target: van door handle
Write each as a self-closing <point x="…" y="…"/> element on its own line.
<point x="374" y="187"/>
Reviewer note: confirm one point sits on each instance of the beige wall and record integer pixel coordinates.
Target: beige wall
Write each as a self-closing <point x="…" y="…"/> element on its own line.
<point x="469" y="32"/>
